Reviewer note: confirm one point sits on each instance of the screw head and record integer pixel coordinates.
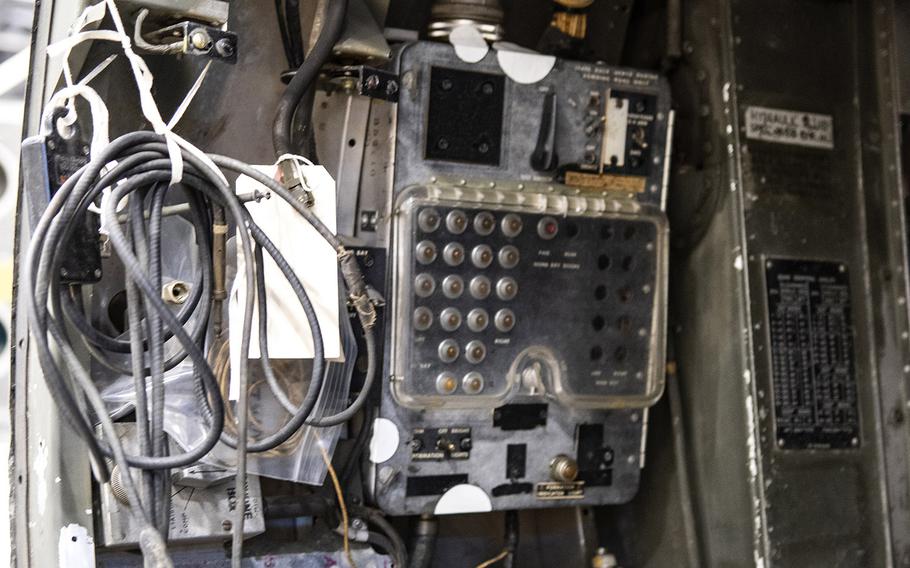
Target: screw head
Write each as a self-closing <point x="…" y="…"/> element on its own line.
<point x="372" y="82"/>
<point x="224" y="47"/>
<point x="200" y="39"/>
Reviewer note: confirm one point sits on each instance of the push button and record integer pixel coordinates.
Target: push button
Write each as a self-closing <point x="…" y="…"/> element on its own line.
<point x="453" y="254"/>
<point x="456" y="222"/>
<point x="480" y="287"/>
<point x="452" y="286"/>
<point x="424" y="285"/>
<point x="508" y="256"/>
<point x="426" y="252"/>
<point x="428" y="220"/>
<point x="547" y="228"/>
<point x="448" y="351"/>
<point x="506" y="288"/>
<point x="484" y="223"/>
<point x="482" y="256"/>
<point x="450" y="319"/>
<point x="511" y="225"/>
<point x="423" y="319"/>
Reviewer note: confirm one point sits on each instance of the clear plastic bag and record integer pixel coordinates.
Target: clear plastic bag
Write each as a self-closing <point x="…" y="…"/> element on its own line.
<point x="299" y="459"/>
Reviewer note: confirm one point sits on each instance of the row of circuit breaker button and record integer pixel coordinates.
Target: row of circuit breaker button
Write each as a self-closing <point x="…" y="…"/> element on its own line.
<point x="453" y="287"/>
<point x="454" y="254"/>
<point x="450" y="319"/>
<point x="429" y="220"/>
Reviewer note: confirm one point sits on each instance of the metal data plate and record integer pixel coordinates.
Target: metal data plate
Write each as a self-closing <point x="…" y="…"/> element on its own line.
<point x="810" y="325"/>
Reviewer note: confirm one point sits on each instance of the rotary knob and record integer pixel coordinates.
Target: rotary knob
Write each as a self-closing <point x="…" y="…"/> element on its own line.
<point x="563" y="468"/>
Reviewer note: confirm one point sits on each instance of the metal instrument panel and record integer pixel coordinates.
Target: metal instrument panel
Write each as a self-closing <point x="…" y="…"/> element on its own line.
<point x="528" y="274"/>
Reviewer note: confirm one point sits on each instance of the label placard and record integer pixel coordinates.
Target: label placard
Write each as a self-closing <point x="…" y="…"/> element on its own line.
<point x="812" y="358"/>
<point x="547" y="490"/>
<point x="606" y="182"/>
<point x="807" y="129"/>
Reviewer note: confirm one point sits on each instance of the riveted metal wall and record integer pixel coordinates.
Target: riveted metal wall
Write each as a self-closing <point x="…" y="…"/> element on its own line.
<point x="759" y="495"/>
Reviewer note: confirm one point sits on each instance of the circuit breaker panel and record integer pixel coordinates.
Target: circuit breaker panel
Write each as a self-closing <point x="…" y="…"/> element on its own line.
<point x="527" y="284"/>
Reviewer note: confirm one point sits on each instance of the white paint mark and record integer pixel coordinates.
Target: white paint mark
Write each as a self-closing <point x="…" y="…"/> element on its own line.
<point x="384" y="442"/>
<point x="75" y="548"/>
<point x="738" y="265"/>
<point x="40" y="468"/>
<point x="464" y="498"/>
<point x="523" y="65"/>
<point x="469" y="45"/>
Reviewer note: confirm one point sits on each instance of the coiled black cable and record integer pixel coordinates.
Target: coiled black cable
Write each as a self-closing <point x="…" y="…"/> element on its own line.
<point x="59" y="222"/>
<point x="305" y="77"/>
<point x="142" y="175"/>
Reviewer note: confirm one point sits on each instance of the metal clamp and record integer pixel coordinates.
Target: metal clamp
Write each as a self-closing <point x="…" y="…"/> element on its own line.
<point x="199" y="40"/>
<point x="369" y="81"/>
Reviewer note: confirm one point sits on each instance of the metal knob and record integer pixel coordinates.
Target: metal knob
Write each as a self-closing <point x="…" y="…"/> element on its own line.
<point x="563" y="468"/>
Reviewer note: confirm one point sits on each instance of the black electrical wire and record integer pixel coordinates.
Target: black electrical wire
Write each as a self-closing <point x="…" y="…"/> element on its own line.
<point x="295" y="35"/>
<point x="142" y="175"/>
<point x="283" y="32"/>
<point x="511" y="538"/>
<point x="156" y="360"/>
<point x="98" y="338"/>
<point x="385" y="544"/>
<point x="57" y="223"/>
<point x="360" y="443"/>
<point x="377" y="519"/>
<point x="306" y="74"/>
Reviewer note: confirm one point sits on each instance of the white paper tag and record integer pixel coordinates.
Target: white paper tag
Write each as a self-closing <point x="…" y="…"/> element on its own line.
<point x="790" y="127"/>
<point x="309" y="256"/>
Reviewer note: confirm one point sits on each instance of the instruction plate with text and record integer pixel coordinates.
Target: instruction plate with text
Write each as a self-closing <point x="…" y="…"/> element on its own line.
<point x="807" y="129"/>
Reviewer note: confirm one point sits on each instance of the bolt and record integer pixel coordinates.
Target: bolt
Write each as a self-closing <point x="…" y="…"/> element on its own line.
<point x="487" y="88"/>
<point x="391" y="88"/>
<point x="224" y="47"/>
<point x="442" y="144"/>
<point x="226" y="525"/>
<point x="447" y="84"/>
<point x="200" y="40"/>
<point x="483" y="147"/>
<point x="372" y="82"/>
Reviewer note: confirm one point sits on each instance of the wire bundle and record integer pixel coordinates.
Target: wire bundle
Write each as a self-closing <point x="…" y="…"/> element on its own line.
<point x="137" y="167"/>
